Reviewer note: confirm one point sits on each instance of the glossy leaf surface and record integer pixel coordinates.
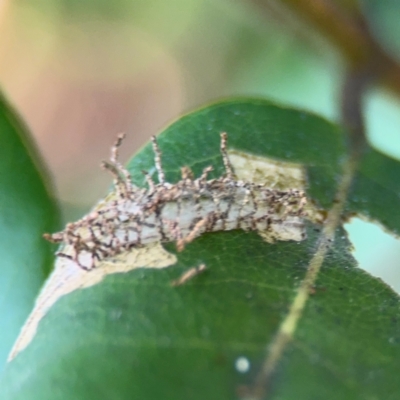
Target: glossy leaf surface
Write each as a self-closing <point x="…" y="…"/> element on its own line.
<point x="135" y="336"/>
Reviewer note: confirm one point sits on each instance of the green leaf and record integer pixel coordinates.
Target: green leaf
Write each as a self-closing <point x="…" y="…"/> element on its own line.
<point x="26" y="211"/>
<point x="376" y="190"/>
<point x="135" y="336"/>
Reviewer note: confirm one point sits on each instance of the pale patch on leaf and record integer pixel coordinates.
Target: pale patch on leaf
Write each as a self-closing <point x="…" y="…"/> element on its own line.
<point x="68" y="277"/>
<point x="275" y="174"/>
<point x="279" y="175"/>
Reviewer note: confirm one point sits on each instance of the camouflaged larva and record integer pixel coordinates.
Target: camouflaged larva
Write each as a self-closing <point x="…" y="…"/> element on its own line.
<point x="132" y="217"/>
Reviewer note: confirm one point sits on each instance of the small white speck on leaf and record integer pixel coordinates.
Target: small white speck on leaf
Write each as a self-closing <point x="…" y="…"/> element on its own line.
<point x="242" y="365"/>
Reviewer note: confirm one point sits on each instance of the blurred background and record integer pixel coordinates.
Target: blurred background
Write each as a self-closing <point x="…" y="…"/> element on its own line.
<point x="80" y="71"/>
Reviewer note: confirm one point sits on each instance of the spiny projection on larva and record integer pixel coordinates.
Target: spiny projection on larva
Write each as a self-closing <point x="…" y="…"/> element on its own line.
<point x="132" y="217"/>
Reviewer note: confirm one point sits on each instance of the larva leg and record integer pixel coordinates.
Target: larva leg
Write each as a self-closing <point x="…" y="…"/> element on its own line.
<point x="121" y="169"/>
<point x="53" y="237"/>
<point x="201" y="226"/>
<point x="122" y="178"/>
<point x="225" y="158"/>
<point x="206" y="171"/>
<point x="157" y="161"/>
<point x="201" y="181"/>
<point x="189" y="274"/>
<point x="187" y="174"/>
<point x="149" y="181"/>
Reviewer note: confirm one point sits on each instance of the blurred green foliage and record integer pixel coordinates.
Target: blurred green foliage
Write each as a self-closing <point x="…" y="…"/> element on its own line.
<point x="26" y="211"/>
<point x="383" y="18"/>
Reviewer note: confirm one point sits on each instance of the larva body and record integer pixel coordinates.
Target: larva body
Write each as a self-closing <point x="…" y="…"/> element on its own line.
<point x="132" y="217"/>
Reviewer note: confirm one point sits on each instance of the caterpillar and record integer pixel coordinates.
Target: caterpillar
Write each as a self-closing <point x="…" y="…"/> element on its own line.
<point x="131" y="217"/>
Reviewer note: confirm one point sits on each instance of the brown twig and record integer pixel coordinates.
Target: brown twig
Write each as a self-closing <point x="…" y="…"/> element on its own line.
<point x="355" y="85"/>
